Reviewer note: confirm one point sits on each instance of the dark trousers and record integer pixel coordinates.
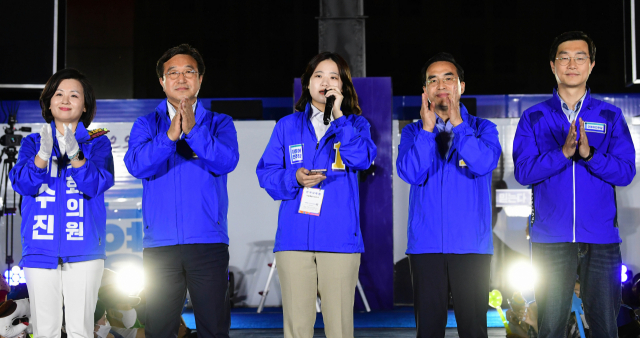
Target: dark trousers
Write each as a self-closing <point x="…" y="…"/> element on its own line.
<point x="172" y="270"/>
<point x="598" y="267"/>
<point x="467" y="276"/>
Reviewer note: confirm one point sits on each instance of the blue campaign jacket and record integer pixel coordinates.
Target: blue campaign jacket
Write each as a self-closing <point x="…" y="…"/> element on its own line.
<point x="63" y="212"/>
<point x="184" y="199"/>
<point x="574" y="200"/>
<point x="337" y="228"/>
<point x="450" y="198"/>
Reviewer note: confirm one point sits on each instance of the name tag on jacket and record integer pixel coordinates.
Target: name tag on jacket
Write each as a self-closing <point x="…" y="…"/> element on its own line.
<point x="595" y="127"/>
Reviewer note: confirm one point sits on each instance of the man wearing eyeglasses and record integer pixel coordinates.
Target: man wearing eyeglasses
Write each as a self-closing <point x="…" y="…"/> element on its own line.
<point x="448" y="157"/>
<point x="573" y="150"/>
<point x="183" y="152"/>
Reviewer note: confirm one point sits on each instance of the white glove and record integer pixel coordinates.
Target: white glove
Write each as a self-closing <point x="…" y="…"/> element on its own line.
<point x="103" y="330"/>
<point x="69" y="139"/>
<point x="22" y="310"/>
<point x="128" y="317"/>
<point x="46" y="143"/>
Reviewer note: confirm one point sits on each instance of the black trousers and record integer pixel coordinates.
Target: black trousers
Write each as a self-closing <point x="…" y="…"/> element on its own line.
<point x="466" y="276"/>
<point x="172" y="270"/>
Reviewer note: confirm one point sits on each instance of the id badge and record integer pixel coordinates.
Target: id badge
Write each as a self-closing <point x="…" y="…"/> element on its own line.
<point x="311" y="201"/>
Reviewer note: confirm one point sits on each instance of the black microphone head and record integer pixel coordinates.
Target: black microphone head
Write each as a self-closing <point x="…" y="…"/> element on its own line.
<point x="328" y="109"/>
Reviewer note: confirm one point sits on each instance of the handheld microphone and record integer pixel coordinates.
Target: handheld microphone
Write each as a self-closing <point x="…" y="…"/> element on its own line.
<point x="328" y="108"/>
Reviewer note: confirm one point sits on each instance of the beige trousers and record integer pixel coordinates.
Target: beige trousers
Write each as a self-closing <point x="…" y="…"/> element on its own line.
<point x="333" y="276"/>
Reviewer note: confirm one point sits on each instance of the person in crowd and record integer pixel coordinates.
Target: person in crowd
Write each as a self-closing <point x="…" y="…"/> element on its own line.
<point x="183" y="152"/>
<point x="5" y="289"/>
<point x="118" y="307"/>
<point x="14" y="318"/>
<point x="448" y="157"/>
<point x="522" y="317"/>
<point x="312" y="166"/>
<point x="62" y="174"/>
<point x="523" y="320"/>
<point x="573" y="150"/>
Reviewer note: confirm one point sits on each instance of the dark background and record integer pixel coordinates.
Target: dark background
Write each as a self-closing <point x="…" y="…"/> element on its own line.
<point x="256" y="48"/>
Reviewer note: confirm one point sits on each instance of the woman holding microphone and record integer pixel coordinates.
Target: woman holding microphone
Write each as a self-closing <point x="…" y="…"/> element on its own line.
<point x="311" y="164"/>
<point x="62" y="174"/>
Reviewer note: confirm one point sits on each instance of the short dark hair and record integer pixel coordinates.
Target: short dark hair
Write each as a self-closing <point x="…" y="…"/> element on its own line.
<point x="180" y="49"/>
<point x="442" y="56"/>
<point x="571" y="36"/>
<point x="350" y="102"/>
<point x="52" y="85"/>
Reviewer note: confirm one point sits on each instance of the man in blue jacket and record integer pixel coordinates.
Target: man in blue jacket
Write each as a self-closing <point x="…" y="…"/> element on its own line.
<point x="183" y="152"/>
<point x="448" y="157"/>
<point x="573" y="150"/>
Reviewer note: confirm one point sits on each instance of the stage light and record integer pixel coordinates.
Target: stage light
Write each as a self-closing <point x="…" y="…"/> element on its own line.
<point x="14" y="276"/>
<point x="624" y="273"/>
<point x="518" y="211"/>
<point x="522" y="276"/>
<point x="130" y="279"/>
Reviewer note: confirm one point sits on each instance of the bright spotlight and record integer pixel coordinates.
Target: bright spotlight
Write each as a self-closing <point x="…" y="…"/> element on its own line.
<point x="130" y="279"/>
<point x="624" y="273"/>
<point x="14" y="276"/>
<point x="522" y="276"/>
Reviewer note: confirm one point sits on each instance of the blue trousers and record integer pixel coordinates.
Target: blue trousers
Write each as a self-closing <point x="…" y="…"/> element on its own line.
<point x="598" y="267"/>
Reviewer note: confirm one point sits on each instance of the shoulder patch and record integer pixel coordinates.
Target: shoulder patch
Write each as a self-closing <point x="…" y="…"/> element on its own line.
<point x="535" y="117"/>
<point x="608" y="115"/>
<point x="97" y="132"/>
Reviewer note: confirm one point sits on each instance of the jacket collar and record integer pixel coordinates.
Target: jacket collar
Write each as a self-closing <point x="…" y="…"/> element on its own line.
<point x="464" y="113"/>
<point x="161" y="110"/>
<point x="308" y="113"/>
<point x="556" y="103"/>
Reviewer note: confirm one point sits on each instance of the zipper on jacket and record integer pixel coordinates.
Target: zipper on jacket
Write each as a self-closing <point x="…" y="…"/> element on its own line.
<point x="59" y="215"/>
<point x="574" y="200"/>
<point x="573" y="174"/>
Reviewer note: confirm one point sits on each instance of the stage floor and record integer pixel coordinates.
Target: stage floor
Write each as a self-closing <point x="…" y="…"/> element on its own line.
<point x="396" y="322"/>
<point x="370" y="333"/>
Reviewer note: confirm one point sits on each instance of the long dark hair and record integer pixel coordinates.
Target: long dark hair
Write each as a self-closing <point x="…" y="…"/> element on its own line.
<point x="51" y="87"/>
<point x="350" y="102"/>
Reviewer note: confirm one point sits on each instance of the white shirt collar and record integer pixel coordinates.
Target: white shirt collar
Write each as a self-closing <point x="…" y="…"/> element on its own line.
<point x="172" y="111"/>
<point x="317" y="120"/>
<point x="316" y="114"/>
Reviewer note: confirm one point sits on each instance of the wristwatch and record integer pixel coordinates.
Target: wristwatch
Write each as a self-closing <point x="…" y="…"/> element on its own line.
<point x="79" y="156"/>
<point x="592" y="150"/>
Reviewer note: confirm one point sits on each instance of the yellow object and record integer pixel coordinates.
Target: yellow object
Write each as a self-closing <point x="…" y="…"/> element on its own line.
<point x="495" y="301"/>
<point x="338" y="164"/>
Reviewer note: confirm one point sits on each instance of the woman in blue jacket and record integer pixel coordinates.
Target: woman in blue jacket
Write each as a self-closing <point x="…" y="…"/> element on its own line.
<point x="313" y="167"/>
<point x="62" y="178"/>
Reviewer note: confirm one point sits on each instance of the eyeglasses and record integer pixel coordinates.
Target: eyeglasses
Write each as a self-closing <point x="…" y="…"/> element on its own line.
<point x="188" y="74"/>
<point x="447" y="80"/>
<point x="580" y="60"/>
